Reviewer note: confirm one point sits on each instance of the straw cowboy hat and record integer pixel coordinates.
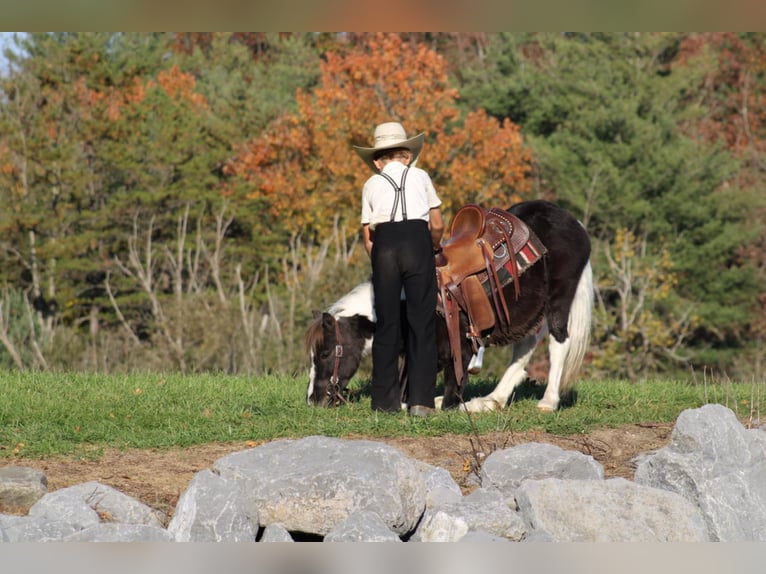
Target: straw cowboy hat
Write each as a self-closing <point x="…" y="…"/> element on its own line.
<point x="390" y="135"/>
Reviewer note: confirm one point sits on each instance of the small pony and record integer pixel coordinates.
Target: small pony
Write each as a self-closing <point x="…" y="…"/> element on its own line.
<point x="555" y="299"/>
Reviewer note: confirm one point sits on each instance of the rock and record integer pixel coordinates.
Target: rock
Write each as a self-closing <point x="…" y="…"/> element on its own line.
<point x="506" y="469"/>
<point x="115" y="532"/>
<point x="362" y="526"/>
<point x="759" y="434"/>
<point x="479" y="536"/>
<point x="708" y="483"/>
<point x="614" y="510"/>
<point x="91" y="503"/>
<point x="313" y="484"/>
<point x="483" y="510"/>
<point x="440" y="486"/>
<point x="276" y="533"/>
<point x="213" y="509"/>
<point x="33" y="529"/>
<point x="21" y="487"/>
<point x="718" y="466"/>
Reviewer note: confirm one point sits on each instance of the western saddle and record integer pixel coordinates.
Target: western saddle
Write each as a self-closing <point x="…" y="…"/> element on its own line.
<point x="486" y="250"/>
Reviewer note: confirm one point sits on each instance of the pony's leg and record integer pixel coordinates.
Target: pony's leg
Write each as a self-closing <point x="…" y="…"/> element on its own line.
<point x="514" y="375"/>
<point x="557" y="354"/>
<point x="452" y="391"/>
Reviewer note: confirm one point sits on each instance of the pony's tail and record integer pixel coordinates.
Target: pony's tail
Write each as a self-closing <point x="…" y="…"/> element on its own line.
<point x="578" y="325"/>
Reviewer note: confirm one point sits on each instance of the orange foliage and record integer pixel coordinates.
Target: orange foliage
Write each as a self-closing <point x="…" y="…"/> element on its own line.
<point x="303" y="167"/>
<point x="738" y="112"/>
<point x="6" y="165"/>
<point x="178" y="86"/>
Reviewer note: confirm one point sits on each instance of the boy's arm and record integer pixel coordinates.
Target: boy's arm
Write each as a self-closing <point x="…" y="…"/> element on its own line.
<point x="368" y="238"/>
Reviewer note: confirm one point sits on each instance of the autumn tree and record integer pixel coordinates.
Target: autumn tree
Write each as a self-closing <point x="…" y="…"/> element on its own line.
<point x="111" y="152"/>
<point x="733" y="92"/>
<point x="303" y="169"/>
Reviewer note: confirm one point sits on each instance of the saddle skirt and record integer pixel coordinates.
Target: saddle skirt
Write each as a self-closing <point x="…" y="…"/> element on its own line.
<point x="486" y="250"/>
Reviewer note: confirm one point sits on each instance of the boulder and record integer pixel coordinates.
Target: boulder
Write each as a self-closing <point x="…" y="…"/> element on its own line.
<point x="614" y="510"/>
<point x="91" y="503"/>
<point x="482" y="511"/>
<point x="313" y="484"/>
<point x="506" y="469"/>
<point x="33" y="529"/>
<point x="213" y="509"/>
<point x="362" y="526"/>
<point x="21" y="487"/>
<point x="718" y="466"/>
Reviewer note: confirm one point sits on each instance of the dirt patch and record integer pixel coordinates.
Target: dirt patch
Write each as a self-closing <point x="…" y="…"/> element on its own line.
<point x="158" y="477"/>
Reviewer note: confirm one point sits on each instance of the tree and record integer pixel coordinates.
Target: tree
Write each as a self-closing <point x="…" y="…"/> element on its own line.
<point x="114" y="213"/>
<point x="732" y="91"/>
<point x="607" y="117"/>
<point x="641" y="326"/>
<point x="303" y="168"/>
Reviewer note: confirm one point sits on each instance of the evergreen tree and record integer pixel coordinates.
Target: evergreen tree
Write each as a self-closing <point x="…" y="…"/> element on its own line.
<point x="604" y="115"/>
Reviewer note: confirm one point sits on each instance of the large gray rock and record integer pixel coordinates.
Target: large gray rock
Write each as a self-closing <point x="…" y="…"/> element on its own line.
<point x="440" y="486"/>
<point x="21" y="487"/>
<point x="362" y="526"/>
<point x="311" y="485"/>
<point x="114" y="532"/>
<point x="91" y="503"/>
<point x="614" y="510"/>
<point x="33" y="529"/>
<point x="481" y="511"/>
<point x="506" y="469"/>
<point x="276" y="533"/>
<point x="213" y="509"/>
<point x="759" y="435"/>
<point x="720" y="467"/>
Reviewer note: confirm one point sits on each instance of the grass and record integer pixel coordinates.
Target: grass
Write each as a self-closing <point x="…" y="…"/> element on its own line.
<point x="45" y="414"/>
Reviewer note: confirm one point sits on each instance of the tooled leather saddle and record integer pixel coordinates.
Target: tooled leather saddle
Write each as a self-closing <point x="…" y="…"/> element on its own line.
<point x="486" y="250"/>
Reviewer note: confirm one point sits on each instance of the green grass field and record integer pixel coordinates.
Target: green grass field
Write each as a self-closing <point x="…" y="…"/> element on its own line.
<point x="43" y="414"/>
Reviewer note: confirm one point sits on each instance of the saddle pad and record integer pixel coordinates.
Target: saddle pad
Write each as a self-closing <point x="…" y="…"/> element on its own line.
<point x="525" y="258"/>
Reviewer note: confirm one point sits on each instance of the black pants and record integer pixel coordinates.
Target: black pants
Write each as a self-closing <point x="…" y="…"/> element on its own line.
<point x="402" y="256"/>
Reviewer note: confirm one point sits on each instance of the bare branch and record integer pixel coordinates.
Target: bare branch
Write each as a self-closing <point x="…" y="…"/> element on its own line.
<point x="221" y="227"/>
<point x="6" y="340"/>
<point x="33" y="336"/>
<point x="118" y="311"/>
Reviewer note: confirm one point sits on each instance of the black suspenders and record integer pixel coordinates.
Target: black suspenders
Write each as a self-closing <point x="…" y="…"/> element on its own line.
<point x="399" y="191"/>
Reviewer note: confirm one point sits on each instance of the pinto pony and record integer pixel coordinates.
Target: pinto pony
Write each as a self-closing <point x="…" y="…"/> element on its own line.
<point x="555" y="298"/>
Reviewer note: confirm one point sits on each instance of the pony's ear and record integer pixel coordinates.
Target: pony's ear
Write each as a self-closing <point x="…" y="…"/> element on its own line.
<point x="328" y="320"/>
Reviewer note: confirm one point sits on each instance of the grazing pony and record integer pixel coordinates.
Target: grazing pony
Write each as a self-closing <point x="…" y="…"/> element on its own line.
<point x="555" y="298"/>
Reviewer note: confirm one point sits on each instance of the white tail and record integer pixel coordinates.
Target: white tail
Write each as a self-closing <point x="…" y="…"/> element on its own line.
<point x="579" y="325"/>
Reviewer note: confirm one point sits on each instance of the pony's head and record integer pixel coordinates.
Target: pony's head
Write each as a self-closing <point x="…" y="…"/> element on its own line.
<point x="336" y="347"/>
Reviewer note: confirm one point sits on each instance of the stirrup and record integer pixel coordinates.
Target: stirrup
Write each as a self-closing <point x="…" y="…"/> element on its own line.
<point x="474" y="367"/>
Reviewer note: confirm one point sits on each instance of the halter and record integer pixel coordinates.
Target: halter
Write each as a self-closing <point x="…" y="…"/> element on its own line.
<point x="333" y="389"/>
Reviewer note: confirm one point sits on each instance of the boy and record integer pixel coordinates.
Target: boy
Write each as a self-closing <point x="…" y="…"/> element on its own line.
<point x="402" y="226"/>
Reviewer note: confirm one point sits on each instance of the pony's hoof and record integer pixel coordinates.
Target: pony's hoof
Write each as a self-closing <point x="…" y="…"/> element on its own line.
<point x="481" y="405"/>
<point x="545" y="407"/>
<point x="438" y="403"/>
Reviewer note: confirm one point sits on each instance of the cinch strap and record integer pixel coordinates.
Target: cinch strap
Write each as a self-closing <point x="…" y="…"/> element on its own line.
<point x="399" y="190"/>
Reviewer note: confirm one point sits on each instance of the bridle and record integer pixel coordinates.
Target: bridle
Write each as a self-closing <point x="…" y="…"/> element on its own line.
<point x="333" y="389"/>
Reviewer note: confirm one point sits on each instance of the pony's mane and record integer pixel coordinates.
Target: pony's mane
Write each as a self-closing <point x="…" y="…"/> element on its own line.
<point x="314" y="334"/>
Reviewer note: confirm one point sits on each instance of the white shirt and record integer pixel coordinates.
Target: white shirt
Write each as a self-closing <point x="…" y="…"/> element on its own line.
<point x="378" y="195"/>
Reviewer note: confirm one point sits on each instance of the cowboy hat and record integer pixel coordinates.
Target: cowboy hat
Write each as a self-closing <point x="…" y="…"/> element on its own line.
<point x="390" y="135"/>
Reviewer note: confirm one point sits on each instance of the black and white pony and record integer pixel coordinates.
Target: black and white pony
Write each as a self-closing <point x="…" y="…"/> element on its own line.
<point x="556" y="299"/>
